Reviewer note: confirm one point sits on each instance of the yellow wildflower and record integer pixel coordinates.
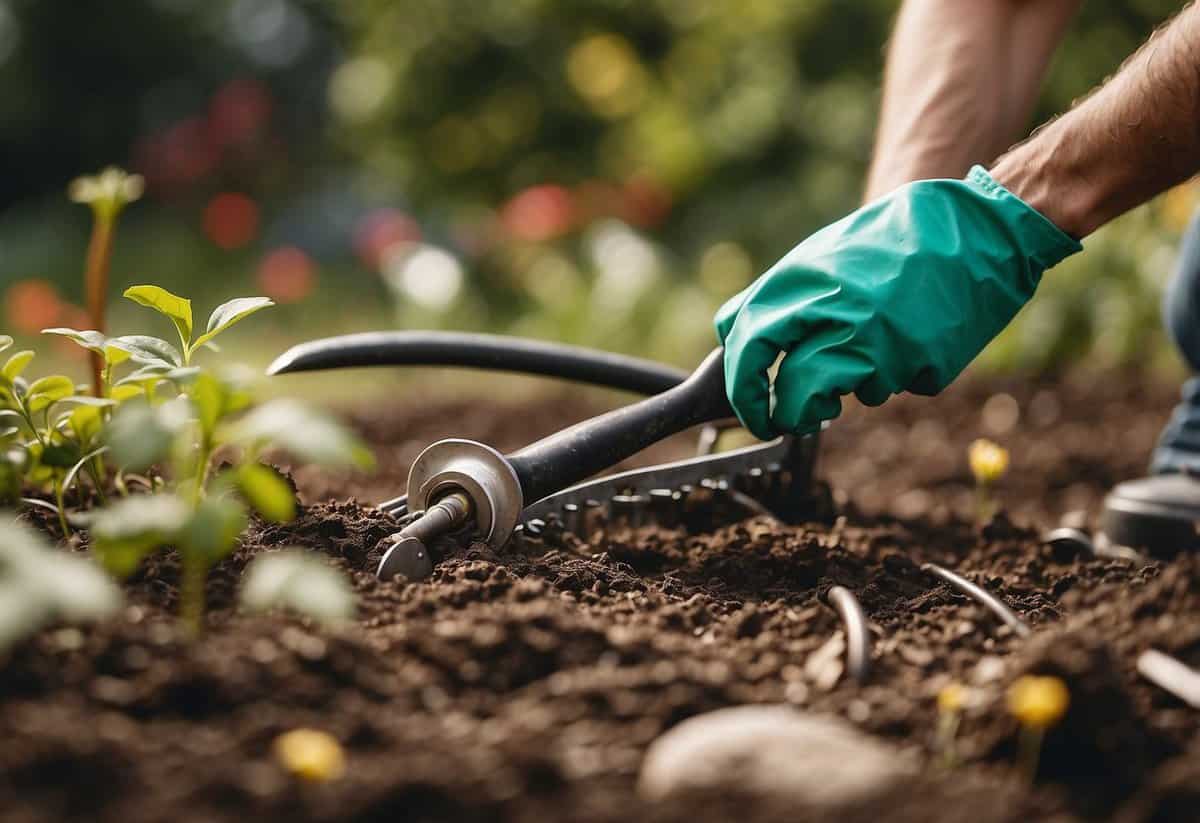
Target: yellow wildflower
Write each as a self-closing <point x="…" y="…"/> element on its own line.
<point x="1038" y="702"/>
<point x="311" y="755"/>
<point x="988" y="461"/>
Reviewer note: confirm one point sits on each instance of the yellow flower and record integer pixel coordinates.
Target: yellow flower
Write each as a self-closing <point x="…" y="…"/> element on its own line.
<point x="311" y="755"/>
<point x="988" y="461"/>
<point x="1038" y="702"/>
<point x="107" y="192"/>
<point x="952" y="698"/>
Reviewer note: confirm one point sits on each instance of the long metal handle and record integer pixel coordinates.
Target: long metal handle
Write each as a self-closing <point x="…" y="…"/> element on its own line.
<point x="563" y="459"/>
<point x="480" y="351"/>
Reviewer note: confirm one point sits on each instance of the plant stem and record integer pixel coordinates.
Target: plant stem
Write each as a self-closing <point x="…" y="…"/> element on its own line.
<point x="947" y="732"/>
<point x="191" y="597"/>
<point x="58" y="498"/>
<point x="99" y="254"/>
<point x="1029" y="750"/>
<point x="983" y="504"/>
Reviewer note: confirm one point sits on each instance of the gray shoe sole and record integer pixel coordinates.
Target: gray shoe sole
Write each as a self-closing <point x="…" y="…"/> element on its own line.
<point x="1158" y="513"/>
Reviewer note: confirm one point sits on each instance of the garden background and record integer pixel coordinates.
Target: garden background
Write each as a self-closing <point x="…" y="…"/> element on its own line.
<point x="603" y="172"/>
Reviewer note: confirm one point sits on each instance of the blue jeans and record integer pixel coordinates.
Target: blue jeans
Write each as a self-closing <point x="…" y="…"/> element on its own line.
<point x="1178" y="447"/>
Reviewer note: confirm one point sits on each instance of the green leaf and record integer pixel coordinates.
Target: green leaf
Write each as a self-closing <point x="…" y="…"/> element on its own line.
<point x="305" y="433"/>
<point x="88" y="400"/>
<point x="61" y="455"/>
<point x="86" y="422"/>
<point x="48" y="390"/>
<point x="179" y="309"/>
<point x="5" y="342"/>
<point x="208" y="396"/>
<point x="294" y="579"/>
<point x="213" y="530"/>
<point x="141" y="435"/>
<point x="267" y="492"/>
<point x="148" y="351"/>
<point x="226" y="314"/>
<point x="90" y="339"/>
<point x="121" y="393"/>
<point x="16" y="364"/>
<point x="131" y="528"/>
<point x="146" y="374"/>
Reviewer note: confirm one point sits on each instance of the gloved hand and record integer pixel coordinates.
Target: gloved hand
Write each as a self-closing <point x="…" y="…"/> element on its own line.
<point x="898" y="296"/>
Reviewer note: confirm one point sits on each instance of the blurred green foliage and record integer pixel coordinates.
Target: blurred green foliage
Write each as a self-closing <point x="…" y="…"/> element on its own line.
<point x="748" y="124"/>
<point x="598" y="171"/>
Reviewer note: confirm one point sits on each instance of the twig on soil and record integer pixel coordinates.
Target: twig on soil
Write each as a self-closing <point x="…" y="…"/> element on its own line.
<point x="1170" y="675"/>
<point x="858" y="636"/>
<point x="982" y="596"/>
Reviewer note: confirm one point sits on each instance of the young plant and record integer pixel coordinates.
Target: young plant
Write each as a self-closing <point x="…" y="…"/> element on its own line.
<point x="293" y="579"/>
<point x="108" y="193"/>
<point x="43" y="442"/>
<point x="951" y="701"/>
<point x="157" y="352"/>
<point x="200" y="513"/>
<point x="988" y="463"/>
<point x="40" y="585"/>
<point x="1037" y="703"/>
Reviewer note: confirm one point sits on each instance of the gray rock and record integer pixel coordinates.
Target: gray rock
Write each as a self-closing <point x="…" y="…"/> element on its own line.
<point x="777" y="751"/>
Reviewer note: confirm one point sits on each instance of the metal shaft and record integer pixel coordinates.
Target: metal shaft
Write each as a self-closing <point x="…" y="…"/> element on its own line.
<point x="409" y="554"/>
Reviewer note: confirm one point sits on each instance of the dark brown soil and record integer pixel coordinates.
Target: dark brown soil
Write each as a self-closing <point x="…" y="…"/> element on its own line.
<point x="527" y="686"/>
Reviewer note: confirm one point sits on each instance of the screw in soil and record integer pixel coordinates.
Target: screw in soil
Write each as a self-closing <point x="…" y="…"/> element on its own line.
<point x="858" y="635"/>
<point x="981" y="596"/>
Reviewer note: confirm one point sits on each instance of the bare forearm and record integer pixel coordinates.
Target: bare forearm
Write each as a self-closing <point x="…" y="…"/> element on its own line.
<point x="960" y="83"/>
<point x="1136" y="136"/>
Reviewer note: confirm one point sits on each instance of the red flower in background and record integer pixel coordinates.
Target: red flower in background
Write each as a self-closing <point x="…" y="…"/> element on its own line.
<point x="379" y="231"/>
<point x="32" y="305"/>
<point x="238" y="112"/>
<point x="230" y="220"/>
<point x="287" y="275"/>
<point x="647" y="202"/>
<point x="539" y="213"/>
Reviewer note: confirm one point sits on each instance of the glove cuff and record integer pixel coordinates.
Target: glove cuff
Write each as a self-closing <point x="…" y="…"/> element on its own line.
<point x="1041" y="240"/>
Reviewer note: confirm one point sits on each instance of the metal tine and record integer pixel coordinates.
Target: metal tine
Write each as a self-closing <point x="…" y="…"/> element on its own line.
<point x="664" y="507"/>
<point x="593" y="513"/>
<point x="572" y="517"/>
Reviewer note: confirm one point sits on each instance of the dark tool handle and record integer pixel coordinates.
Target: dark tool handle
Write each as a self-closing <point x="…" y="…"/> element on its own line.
<point x="564" y="459"/>
<point x="480" y="351"/>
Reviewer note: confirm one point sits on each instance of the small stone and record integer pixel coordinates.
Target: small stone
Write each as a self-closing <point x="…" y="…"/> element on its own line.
<point x="775" y="751"/>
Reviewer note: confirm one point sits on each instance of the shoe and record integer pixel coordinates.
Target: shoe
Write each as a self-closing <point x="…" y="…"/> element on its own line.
<point x="1157" y="513"/>
<point x="1160" y="512"/>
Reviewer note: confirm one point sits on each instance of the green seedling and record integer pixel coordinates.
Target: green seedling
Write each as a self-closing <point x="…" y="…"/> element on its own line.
<point x="49" y="432"/>
<point x="40" y="585"/>
<point x="157" y="352"/>
<point x="294" y="580"/>
<point x="201" y="513"/>
<point x="108" y="193"/>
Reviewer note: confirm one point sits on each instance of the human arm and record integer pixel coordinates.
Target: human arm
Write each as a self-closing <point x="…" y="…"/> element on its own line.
<point x="902" y="294"/>
<point x="960" y="84"/>
<point x="1134" y="137"/>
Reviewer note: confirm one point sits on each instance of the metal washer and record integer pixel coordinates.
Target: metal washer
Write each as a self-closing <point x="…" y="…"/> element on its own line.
<point x="480" y="471"/>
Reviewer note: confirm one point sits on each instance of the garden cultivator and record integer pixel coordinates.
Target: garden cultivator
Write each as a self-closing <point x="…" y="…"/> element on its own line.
<point x="468" y="489"/>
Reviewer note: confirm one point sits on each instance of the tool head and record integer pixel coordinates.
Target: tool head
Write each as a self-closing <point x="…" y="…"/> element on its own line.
<point x="479" y="471"/>
<point x="1157" y="513"/>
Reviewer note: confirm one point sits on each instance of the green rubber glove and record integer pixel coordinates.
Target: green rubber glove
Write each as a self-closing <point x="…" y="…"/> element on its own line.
<point x="898" y="296"/>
